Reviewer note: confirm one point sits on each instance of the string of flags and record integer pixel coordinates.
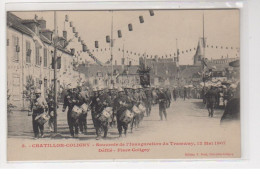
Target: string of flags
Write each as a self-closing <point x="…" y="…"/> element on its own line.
<point x="84" y="46"/>
<point x="120" y="35"/>
<point x="163" y="56"/>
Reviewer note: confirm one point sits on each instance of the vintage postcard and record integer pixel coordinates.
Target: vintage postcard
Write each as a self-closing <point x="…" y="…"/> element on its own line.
<point x="123" y="84"/>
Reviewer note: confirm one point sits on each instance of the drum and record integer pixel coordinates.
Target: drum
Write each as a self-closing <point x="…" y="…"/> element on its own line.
<point x="128" y="116"/>
<point x="84" y="108"/>
<point x="102" y="118"/>
<point x="42" y="118"/>
<point x="106" y="115"/>
<point x="76" y="112"/>
<point x="107" y="112"/>
<point x="141" y="108"/>
<point x="136" y="110"/>
<point x="52" y="114"/>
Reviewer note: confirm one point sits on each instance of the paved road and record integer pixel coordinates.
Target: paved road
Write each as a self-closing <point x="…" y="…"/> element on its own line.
<point x="183" y="116"/>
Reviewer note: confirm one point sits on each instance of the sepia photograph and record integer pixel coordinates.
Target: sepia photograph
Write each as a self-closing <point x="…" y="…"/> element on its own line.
<point x="123" y="84"/>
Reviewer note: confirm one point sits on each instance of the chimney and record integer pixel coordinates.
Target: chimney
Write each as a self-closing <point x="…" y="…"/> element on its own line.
<point x="47" y="33"/>
<point x="65" y="35"/>
<point x="42" y="23"/>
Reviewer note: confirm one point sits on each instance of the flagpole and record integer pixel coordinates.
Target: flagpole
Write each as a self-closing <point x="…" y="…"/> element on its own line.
<point x="177" y="62"/>
<point x="111" y="49"/>
<point x="55" y="73"/>
<point x="203" y="39"/>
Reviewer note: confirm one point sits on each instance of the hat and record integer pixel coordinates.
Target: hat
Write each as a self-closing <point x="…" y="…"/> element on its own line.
<point x="69" y="86"/>
<point x="100" y="88"/>
<point x="73" y="86"/>
<point x="120" y="89"/>
<point x="234" y="86"/>
<point x="94" y="89"/>
<point x="38" y="91"/>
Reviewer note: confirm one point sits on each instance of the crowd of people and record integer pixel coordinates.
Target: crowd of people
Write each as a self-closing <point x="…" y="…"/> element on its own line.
<point x="126" y="107"/>
<point x="109" y="107"/>
<point x="226" y="97"/>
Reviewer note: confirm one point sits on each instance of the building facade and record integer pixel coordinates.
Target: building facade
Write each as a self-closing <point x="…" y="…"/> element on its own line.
<point x="29" y="59"/>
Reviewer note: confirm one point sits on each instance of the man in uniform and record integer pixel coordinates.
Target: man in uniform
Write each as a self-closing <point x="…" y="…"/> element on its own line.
<point x="174" y="93"/>
<point x="169" y="97"/>
<point x="122" y="103"/>
<point x="94" y="112"/>
<point x="184" y="93"/>
<point x="98" y="104"/>
<point x="148" y="103"/>
<point x="162" y="103"/>
<point x="82" y="97"/>
<point x="38" y="106"/>
<point x="104" y="100"/>
<point x="113" y="95"/>
<point x="70" y="101"/>
<point x="211" y="96"/>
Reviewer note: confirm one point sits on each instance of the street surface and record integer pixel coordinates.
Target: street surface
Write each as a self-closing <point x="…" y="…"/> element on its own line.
<point x="188" y="122"/>
<point x="190" y="113"/>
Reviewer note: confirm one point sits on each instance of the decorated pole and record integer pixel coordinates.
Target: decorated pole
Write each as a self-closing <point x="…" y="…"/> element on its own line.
<point x="111" y="49"/>
<point x="55" y="73"/>
<point x="177" y="62"/>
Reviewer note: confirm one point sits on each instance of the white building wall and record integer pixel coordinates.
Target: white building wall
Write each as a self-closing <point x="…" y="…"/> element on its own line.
<point x="18" y="69"/>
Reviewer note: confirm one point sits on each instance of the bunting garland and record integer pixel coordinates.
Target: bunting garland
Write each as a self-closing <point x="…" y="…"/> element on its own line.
<point x="120" y="35"/>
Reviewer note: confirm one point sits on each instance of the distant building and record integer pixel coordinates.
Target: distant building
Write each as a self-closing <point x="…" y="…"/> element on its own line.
<point x="219" y="67"/>
<point x="221" y="70"/>
<point x="100" y="76"/>
<point x="164" y="72"/>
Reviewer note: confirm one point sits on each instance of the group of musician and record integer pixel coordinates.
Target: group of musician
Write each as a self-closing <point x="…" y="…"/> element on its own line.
<point x="120" y="107"/>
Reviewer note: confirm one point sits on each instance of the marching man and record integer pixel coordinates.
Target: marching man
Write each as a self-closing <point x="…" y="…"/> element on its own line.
<point x="38" y="107"/>
<point x="162" y="104"/>
<point x="69" y="101"/>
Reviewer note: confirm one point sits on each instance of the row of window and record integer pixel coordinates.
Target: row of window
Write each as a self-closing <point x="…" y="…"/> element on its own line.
<point x="16" y="50"/>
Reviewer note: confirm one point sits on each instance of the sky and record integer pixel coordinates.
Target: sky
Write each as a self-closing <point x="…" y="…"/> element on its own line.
<point x="156" y="36"/>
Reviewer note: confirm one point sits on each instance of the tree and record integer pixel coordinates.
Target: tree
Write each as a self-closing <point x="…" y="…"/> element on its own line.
<point x="10" y="106"/>
<point x="30" y="87"/>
